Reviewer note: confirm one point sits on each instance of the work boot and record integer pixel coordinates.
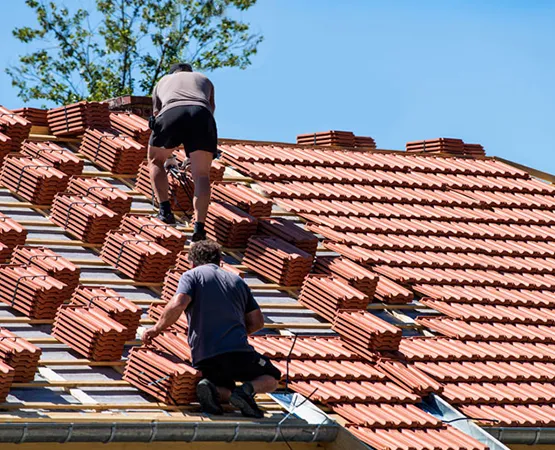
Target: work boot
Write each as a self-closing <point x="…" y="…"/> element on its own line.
<point x="208" y="397"/>
<point x="243" y="398"/>
<point x="168" y="219"/>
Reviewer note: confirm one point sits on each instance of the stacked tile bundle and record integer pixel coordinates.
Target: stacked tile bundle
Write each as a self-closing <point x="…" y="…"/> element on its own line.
<point x="137" y="257"/>
<point x="116" y="153"/>
<point x="131" y="125"/>
<point x="31" y="290"/>
<point x="360" y="278"/>
<point x="53" y="264"/>
<point x="90" y="332"/>
<point x="364" y="331"/>
<point x="182" y="263"/>
<point x="181" y="326"/>
<point x="166" y="378"/>
<point x="33" y="179"/>
<point x="408" y="375"/>
<point x="53" y="154"/>
<point x="5" y="146"/>
<point x="289" y="232"/>
<point x="15" y="127"/>
<point x="440" y="145"/>
<point x="173" y="342"/>
<point x="139" y="105"/>
<point x="6" y="380"/>
<point x="328" y="138"/>
<point x="365" y="141"/>
<point x="84" y="218"/>
<point x="18" y="353"/>
<point x="73" y="120"/>
<point x="171" y="281"/>
<point x="38" y="117"/>
<point x="242" y="197"/>
<point x="277" y="260"/>
<point x="102" y="192"/>
<point x="154" y="229"/>
<point x="474" y="150"/>
<point x="181" y="200"/>
<point x="12" y="234"/>
<point x="228" y="225"/>
<point x="114" y="305"/>
<point x="327" y="295"/>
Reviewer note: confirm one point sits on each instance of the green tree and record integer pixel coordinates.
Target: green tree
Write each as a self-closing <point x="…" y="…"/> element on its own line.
<point x="130" y="48"/>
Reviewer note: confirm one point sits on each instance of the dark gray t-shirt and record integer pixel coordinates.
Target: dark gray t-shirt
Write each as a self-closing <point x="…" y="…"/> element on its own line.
<point x="182" y="89"/>
<point x="216" y="314"/>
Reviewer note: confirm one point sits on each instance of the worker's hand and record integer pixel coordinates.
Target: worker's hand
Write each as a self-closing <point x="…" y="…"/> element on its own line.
<point x="171" y="162"/>
<point x="150" y="334"/>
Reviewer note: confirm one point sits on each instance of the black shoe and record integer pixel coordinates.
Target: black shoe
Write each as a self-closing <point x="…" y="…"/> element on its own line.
<point x="168" y="219"/>
<point x="208" y="398"/>
<point x="199" y="236"/>
<point x="245" y="402"/>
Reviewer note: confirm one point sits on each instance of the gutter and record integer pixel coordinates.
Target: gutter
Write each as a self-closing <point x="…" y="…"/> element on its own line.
<point x="523" y="435"/>
<point x="63" y="432"/>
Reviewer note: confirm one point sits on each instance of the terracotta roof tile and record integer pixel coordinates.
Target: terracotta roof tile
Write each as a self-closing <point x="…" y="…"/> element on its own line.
<point x="38" y="117"/>
<point x="322" y="370"/>
<point x="103" y="192"/>
<point x="131" y="125"/>
<point x="310" y="348"/>
<point x="512" y="415"/>
<point x="12" y="234"/>
<point x="20" y="355"/>
<point x="229" y="225"/>
<point x="51" y="153"/>
<point x="360" y="278"/>
<point x="15" y="127"/>
<point x="243" y="198"/>
<point x="73" y="120"/>
<point x="500" y="393"/>
<point x="289" y="232"/>
<point x="386" y="415"/>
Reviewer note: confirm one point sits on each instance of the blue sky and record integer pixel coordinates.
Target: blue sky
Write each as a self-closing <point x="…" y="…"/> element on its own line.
<point x="392" y="69"/>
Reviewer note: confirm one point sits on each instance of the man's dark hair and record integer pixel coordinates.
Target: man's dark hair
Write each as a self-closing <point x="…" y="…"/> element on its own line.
<point x="180" y="67"/>
<point x="205" y="252"/>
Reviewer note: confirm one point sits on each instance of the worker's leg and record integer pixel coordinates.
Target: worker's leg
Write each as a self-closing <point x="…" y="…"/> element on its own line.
<point x="157" y="156"/>
<point x="201" y="161"/>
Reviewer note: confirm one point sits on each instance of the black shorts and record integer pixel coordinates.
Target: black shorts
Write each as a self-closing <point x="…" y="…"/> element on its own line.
<point x="191" y="125"/>
<point x="225" y="369"/>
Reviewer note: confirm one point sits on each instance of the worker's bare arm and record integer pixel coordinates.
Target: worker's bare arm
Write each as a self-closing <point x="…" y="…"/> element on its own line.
<point x="254" y="321"/>
<point x="175" y="307"/>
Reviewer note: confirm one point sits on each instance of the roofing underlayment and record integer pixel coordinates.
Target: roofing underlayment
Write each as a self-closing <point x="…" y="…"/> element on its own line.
<point x="389" y="281"/>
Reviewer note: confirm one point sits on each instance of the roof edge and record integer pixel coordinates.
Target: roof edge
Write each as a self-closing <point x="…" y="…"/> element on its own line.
<point x="534" y="172"/>
<point x="523" y="435"/>
<point x="63" y="432"/>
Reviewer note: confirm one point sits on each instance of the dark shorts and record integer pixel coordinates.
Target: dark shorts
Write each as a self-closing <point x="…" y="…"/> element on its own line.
<point x="193" y="126"/>
<point x="225" y="369"/>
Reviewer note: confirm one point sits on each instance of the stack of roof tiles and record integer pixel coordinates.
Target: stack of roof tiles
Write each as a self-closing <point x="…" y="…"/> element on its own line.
<point x="360" y="278"/>
<point x="32" y="179"/>
<point x="363" y="393"/>
<point x="175" y="343"/>
<point x="335" y="138"/>
<point x="116" y="153"/>
<point x="131" y="125"/>
<point x="102" y="192"/>
<point x="365" y="141"/>
<point x="86" y="219"/>
<point x="277" y="260"/>
<point x="12" y="234"/>
<point x="6" y="380"/>
<point x="242" y="197"/>
<point x="181" y="199"/>
<point x="365" y="331"/>
<point x="90" y="332"/>
<point x="31" y="291"/>
<point x="164" y="377"/>
<point x="448" y="146"/>
<point x="114" y="305"/>
<point x="327" y="295"/>
<point x="181" y="326"/>
<point x="154" y="229"/>
<point x="139" y="258"/>
<point x="15" y="127"/>
<point x="73" y="120"/>
<point x="51" y="153"/>
<point x="38" y="117"/>
<point x="5" y="146"/>
<point x="19" y="354"/>
<point x="53" y="264"/>
<point x="289" y="232"/>
<point x="229" y="225"/>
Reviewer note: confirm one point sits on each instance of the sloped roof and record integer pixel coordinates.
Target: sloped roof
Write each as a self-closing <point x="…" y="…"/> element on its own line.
<point x="459" y="251"/>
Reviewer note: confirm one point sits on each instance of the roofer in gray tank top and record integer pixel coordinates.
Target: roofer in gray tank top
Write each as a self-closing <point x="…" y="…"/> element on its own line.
<point x="221" y="313"/>
<point x="183" y="106"/>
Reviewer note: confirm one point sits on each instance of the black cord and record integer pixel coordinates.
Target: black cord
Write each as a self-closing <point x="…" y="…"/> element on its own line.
<point x="287" y="360"/>
<point x="471" y="418"/>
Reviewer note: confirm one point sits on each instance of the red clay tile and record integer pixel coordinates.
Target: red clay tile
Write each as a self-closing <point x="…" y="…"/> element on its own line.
<point x="131" y="125"/>
<point x="51" y="153"/>
<point x="386" y="415"/>
<point x="20" y="355"/>
<point x="102" y="192"/>
<point x="243" y="198"/>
